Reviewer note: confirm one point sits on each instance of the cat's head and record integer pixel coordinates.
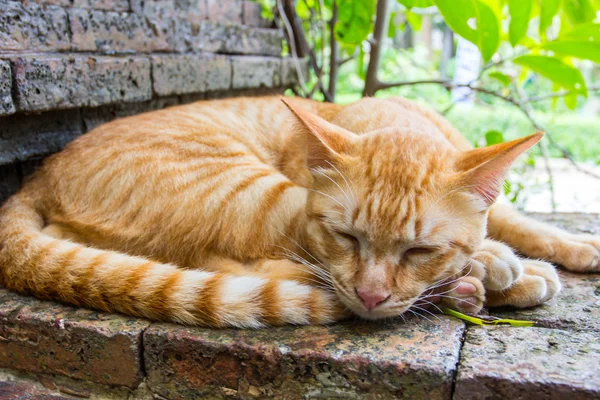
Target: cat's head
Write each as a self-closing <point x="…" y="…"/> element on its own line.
<point x="392" y="213"/>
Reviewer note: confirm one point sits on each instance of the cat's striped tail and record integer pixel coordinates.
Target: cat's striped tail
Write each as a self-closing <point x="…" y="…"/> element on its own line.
<point x="36" y="263"/>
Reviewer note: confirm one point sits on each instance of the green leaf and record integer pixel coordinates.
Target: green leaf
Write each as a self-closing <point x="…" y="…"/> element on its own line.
<point x="355" y="20"/>
<point x="415" y="3"/>
<point x="392" y="26"/>
<point x="493" y="137"/>
<point x="520" y="13"/>
<point x="556" y="70"/>
<point x="548" y="9"/>
<point x="584" y="50"/>
<point x="579" y="11"/>
<point x="502" y="78"/>
<point x="583" y="32"/>
<point x="571" y="101"/>
<point x="415" y="20"/>
<point x="458" y="14"/>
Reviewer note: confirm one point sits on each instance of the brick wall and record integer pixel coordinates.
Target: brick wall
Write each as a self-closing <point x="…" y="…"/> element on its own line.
<point x="67" y="66"/>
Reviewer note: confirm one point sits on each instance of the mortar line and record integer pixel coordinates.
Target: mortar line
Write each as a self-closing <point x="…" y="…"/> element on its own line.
<point x="463" y="338"/>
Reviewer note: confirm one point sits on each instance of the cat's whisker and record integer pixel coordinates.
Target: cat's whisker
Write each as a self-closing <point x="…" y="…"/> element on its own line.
<point x="427" y="311"/>
<point x="332" y="199"/>
<point x="344" y="178"/>
<point x="320" y="172"/>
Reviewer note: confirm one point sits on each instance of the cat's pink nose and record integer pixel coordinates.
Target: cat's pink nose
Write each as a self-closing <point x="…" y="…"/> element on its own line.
<point x="372" y="299"/>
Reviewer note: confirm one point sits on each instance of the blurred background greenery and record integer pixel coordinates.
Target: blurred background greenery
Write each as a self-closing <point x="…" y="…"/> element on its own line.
<point x="536" y="68"/>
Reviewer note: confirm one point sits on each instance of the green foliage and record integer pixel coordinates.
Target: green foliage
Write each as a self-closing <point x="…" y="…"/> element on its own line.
<point x="520" y="14"/>
<point x="355" y="21"/>
<point x="559" y="72"/>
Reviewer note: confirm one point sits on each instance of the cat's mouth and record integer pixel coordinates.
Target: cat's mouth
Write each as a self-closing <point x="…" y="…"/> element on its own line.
<point x="389" y="309"/>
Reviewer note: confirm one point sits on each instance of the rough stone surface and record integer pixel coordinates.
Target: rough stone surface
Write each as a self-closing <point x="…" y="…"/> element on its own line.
<point x="252" y="15"/>
<point x="29" y="26"/>
<point x="50" y="338"/>
<point x="577" y="306"/>
<point x="111" y="32"/>
<point x="239" y="39"/>
<point x="6" y="102"/>
<point x="23" y="137"/>
<point x="358" y="360"/>
<point x="19" y="390"/>
<point x="9" y="181"/>
<point x="255" y="72"/>
<point x="111" y="5"/>
<point x="191" y="10"/>
<point x="92" y="117"/>
<point x="225" y="11"/>
<point x="289" y="71"/>
<point x="183" y="74"/>
<point x="45" y="82"/>
<point x="26" y="385"/>
<point x="526" y="363"/>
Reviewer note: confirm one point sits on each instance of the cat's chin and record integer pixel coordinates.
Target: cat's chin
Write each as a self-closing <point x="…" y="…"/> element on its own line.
<point x="378" y="314"/>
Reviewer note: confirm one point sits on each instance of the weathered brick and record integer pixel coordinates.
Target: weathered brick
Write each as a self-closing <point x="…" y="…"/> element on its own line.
<point x="361" y="360"/>
<point x="45" y="82"/>
<point x="528" y="363"/>
<point x="191" y="10"/>
<point x="110" y="5"/>
<point x="183" y="74"/>
<point x="238" y="39"/>
<point x="29" y="26"/>
<point x="112" y="32"/>
<point x="93" y="117"/>
<point x="23" y="136"/>
<point x="252" y="15"/>
<point x="253" y="72"/>
<point x="6" y="102"/>
<point x="51" y="338"/>
<point x="225" y="11"/>
<point x="289" y="71"/>
<point x="9" y="181"/>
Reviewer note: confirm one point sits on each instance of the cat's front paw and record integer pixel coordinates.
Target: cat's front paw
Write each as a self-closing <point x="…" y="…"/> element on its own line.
<point x="580" y="253"/>
<point x="538" y="284"/>
<point x="496" y="265"/>
<point x="466" y="295"/>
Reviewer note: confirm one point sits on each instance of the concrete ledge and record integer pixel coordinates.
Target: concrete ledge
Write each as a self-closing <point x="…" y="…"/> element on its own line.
<point x="82" y="353"/>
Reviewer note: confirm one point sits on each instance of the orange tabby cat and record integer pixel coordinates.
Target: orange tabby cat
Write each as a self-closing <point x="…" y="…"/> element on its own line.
<point x="241" y="213"/>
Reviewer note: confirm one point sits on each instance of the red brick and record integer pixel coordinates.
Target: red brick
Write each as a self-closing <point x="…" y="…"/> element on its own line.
<point x="359" y="360"/>
<point x="50" y="338"/>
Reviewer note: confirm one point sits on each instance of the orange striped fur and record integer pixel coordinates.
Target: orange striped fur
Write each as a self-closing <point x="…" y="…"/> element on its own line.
<point x="241" y="213"/>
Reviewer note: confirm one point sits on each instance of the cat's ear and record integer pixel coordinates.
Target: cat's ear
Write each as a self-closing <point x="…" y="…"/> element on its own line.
<point x="483" y="170"/>
<point x="325" y="141"/>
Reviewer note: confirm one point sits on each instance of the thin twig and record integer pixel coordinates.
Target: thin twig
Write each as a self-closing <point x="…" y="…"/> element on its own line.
<point x="593" y="88"/>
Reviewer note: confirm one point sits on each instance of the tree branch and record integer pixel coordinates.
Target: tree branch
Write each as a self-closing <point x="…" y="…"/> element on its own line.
<point x="334" y="64"/>
<point x="382" y="19"/>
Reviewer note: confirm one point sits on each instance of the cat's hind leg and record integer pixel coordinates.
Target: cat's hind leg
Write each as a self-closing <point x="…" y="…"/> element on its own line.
<point x="580" y="253"/>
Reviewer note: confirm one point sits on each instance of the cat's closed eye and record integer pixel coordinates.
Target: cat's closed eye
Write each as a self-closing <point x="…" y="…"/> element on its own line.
<point x="350" y="237"/>
<point x="419" y="252"/>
